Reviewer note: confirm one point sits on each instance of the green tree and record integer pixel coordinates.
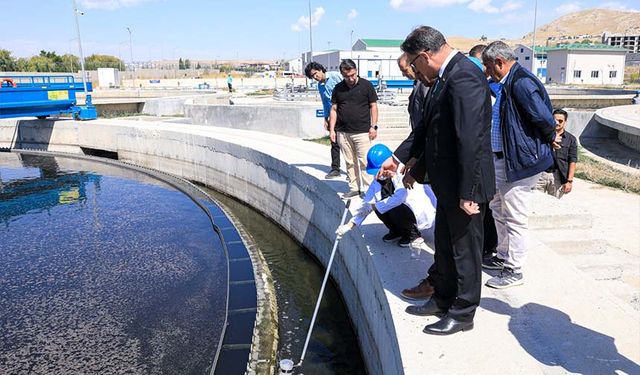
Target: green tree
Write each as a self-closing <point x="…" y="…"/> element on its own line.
<point x="96" y="61"/>
<point x="7" y="62"/>
<point x="22" y="64"/>
<point x="41" y="63"/>
<point x="198" y="67"/>
<point x="70" y="63"/>
<point x="187" y="64"/>
<point x="181" y="64"/>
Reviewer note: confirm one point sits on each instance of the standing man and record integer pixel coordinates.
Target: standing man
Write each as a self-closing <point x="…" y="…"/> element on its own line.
<point x="327" y="81"/>
<point x="520" y="142"/>
<point x="558" y="180"/>
<point x="455" y="158"/>
<point x="230" y="82"/>
<point x="354" y="124"/>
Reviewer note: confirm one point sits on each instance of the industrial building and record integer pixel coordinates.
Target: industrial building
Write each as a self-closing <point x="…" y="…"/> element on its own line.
<point x="630" y="42"/>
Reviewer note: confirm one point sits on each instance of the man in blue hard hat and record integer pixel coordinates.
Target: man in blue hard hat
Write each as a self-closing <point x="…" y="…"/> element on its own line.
<point x="404" y="212"/>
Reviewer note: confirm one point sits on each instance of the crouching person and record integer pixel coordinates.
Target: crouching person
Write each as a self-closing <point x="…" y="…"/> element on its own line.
<point x="404" y="212"/>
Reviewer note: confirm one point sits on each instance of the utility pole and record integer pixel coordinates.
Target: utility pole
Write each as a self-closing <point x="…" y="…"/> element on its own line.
<point x="310" y="35"/>
<point x="351" y="46"/>
<point x="84" y="78"/>
<point x="133" y="82"/>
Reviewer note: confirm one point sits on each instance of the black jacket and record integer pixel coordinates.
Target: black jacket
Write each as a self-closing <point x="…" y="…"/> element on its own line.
<point x="566" y="154"/>
<point x="416" y="114"/>
<point x="455" y="154"/>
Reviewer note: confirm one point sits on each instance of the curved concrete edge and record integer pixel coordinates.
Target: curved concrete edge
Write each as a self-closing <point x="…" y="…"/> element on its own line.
<point x="622" y="118"/>
<point x="285" y="189"/>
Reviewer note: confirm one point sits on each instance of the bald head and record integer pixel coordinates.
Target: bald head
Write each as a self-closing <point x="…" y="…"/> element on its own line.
<point x="405" y="68"/>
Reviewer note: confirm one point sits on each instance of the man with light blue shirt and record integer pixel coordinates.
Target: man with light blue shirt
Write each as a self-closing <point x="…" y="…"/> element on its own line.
<point x="522" y="133"/>
<point x="326" y="82"/>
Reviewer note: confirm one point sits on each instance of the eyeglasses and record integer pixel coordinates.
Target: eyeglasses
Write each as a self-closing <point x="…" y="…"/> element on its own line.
<point x="412" y="65"/>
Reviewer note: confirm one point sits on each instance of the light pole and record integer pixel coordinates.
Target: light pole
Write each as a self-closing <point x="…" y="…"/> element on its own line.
<point x="329" y="54"/>
<point x="533" y="41"/>
<point x="310" y="35"/>
<point x="133" y="82"/>
<point x="84" y="79"/>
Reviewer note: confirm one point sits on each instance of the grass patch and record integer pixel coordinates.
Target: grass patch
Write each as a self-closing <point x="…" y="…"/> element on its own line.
<point x="323" y="141"/>
<point x="593" y="170"/>
<point x="261" y="92"/>
<point x="116" y="114"/>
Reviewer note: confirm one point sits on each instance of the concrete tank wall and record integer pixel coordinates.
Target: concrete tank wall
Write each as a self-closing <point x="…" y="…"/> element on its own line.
<point x="289" y="120"/>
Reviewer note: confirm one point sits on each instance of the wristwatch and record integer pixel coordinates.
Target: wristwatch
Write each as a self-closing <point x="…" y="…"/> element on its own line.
<point x="375" y="127"/>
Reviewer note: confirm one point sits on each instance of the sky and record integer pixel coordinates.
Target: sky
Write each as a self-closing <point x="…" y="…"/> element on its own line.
<point x="252" y="29"/>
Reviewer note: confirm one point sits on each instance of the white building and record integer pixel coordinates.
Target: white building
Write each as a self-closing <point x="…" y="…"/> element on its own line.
<point x="589" y="64"/>
<point x="537" y="65"/>
<point x="373" y="57"/>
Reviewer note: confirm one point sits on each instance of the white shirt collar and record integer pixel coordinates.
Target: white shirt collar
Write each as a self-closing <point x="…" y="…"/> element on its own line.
<point x="504" y="79"/>
<point x="446" y="62"/>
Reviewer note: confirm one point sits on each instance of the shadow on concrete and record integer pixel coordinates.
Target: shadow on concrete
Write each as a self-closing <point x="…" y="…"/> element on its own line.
<point x="550" y="337"/>
<point x="612" y="150"/>
<point x="33" y="134"/>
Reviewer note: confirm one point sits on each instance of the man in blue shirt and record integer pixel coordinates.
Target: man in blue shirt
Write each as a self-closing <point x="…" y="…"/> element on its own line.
<point x="522" y="133"/>
<point x="326" y="82"/>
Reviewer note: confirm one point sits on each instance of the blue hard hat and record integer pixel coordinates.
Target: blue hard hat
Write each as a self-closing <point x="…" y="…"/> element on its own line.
<point x="376" y="156"/>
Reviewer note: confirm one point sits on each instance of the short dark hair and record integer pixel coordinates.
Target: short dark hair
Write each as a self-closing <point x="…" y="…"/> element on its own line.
<point x="561" y="112"/>
<point x="347" y="64"/>
<point x="476" y="51"/>
<point x="313" y="66"/>
<point x="423" y="38"/>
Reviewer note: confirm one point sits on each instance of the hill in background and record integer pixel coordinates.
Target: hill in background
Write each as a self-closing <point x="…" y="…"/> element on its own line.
<point x="569" y="28"/>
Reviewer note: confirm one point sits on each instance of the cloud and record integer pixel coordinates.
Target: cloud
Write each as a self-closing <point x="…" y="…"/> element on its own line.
<point x="303" y="21"/>
<point x="110" y="4"/>
<point x="486" y="6"/>
<point x="352" y="14"/>
<point x="413" y="5"/>
<point x="568" y="8"/>
<point x="479" y="6"/>
<point x="614" y="5"/>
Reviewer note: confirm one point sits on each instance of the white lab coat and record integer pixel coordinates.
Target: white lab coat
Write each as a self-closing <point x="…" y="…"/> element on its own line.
<point x="420" y="200"/>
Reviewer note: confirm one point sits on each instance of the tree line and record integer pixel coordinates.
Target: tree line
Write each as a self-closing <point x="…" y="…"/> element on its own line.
<point x="52" y="62"/>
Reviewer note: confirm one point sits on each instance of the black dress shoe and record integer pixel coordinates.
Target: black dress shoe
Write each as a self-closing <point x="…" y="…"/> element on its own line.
<point x="429" y="308"/>
<point x="447" y="326"/>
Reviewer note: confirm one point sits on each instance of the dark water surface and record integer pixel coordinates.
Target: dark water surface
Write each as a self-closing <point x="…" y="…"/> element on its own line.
<point x="333" y="348"/>
<point x="104" y="270"/>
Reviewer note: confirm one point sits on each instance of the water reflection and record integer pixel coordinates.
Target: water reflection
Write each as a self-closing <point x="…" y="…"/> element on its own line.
<point x="333" y="348"/>
<point x="104" y="270"/>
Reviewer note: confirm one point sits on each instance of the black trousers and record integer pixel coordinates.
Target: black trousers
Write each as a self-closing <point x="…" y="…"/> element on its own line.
<point x="400" y="220"/>
<point x="335" y="156"/>
<point x="490" y="233"/>
<point x="458" y="261"/>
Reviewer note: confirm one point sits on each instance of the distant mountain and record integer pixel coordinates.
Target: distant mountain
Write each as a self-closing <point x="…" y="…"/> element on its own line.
<point x="592" y="22"/>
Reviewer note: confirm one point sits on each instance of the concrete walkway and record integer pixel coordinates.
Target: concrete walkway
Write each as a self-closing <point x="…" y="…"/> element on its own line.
<point x="569" y="317"/>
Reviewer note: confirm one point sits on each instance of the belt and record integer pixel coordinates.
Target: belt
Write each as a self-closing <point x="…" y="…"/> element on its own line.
<point x="499" y="155"/>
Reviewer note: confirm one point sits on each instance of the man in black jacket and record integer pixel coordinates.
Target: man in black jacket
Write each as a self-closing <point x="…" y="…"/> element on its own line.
<point x="454" y="156"/>
<point x="520" y="141"/>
